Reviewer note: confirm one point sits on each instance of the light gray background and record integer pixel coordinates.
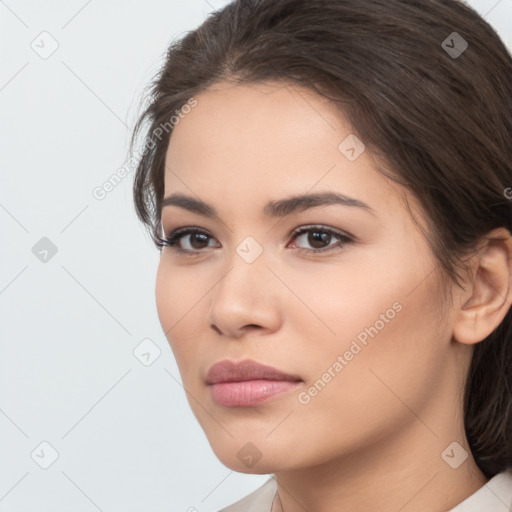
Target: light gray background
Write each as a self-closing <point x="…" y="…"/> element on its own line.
<point x="125" y="436"/>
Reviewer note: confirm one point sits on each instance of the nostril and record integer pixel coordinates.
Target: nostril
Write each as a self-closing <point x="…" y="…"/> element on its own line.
<point x="216" y="329"/>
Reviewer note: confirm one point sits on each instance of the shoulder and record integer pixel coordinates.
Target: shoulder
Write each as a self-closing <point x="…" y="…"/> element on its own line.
<point x="495" y="495"/>
<point x="259" y="500"/>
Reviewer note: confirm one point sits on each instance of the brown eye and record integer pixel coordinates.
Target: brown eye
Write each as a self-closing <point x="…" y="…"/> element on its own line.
<point x="320" y="238"/>
<point x="197" y="240"/>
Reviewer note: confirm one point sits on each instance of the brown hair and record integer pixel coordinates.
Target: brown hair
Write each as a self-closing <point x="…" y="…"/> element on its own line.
<point x="440" y="120"/>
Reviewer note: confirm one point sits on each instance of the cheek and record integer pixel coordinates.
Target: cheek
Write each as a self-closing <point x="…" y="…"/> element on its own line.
<point x="349" y="300"/>
<point x="165" y="296"/>
<point x="391" y="344"/>
<point x="177" y="303"/>
<point x="381" y="380"/>
<point x="374" y="293"/>
<point x="381" y="318"/>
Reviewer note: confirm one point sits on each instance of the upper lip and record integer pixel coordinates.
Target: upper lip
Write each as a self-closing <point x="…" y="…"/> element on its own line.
<point x="230" y="371"/>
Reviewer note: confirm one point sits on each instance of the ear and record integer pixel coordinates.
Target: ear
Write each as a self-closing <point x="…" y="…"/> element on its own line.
<point x="488" y="294"/>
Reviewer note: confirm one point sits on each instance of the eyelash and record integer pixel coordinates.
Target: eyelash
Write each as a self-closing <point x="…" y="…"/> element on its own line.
<point x="179" y="233"/>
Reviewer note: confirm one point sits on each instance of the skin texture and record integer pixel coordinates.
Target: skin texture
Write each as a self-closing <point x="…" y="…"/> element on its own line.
<point x="373" y="436"/>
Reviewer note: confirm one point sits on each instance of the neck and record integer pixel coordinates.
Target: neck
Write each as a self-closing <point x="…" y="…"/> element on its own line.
<point x="408" y="485"/>
<point x="402" y="471"/>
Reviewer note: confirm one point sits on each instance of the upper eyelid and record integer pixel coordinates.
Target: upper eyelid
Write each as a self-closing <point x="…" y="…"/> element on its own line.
<point x="183" y="231"/>
<point x="304" y="227"/>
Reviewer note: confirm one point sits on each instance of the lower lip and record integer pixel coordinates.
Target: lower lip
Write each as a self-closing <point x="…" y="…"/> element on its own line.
<point x="249" y="393"/>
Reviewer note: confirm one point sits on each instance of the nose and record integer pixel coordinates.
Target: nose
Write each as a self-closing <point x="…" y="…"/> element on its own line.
<point x="245" y="299"/>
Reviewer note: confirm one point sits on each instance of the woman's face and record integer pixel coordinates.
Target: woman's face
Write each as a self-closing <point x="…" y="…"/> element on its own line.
<point x="354" y="321"/>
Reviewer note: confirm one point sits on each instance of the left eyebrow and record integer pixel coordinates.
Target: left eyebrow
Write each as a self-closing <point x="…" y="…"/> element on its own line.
<point x="303" y="202"/>
<point x="279" y="208"/>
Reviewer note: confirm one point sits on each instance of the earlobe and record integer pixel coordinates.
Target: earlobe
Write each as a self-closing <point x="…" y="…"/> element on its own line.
<point x="488" y="296"/>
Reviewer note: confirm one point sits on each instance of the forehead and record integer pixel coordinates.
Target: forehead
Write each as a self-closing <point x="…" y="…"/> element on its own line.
<point x="248" y="116"/>
<point x="273" y="139"/>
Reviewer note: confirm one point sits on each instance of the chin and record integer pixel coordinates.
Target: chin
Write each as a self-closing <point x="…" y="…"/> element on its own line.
<point x="259" y="468"/>
<point x="247" y="458"/>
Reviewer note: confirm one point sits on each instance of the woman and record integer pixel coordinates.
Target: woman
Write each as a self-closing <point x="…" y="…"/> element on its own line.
<point x="328" y="182"/>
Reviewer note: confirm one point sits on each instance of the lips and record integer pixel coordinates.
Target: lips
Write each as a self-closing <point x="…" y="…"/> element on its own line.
<point x="247" y="383"/>
<point x="228" y="371"/>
